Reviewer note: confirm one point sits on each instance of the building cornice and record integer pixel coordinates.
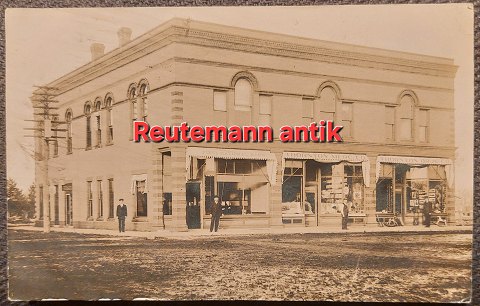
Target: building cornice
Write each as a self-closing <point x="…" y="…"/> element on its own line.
<point x="244" y="40"/>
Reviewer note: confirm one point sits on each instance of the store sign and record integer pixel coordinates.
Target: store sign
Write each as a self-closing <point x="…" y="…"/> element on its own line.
<point x="409" y="160"/>
<point x="326" y="157"/>
<point x="417" y="161"/>
<point x="333" y="158"/>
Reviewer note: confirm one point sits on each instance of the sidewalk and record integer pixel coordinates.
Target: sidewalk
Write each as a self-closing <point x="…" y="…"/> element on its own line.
<point x="204" y="233"/>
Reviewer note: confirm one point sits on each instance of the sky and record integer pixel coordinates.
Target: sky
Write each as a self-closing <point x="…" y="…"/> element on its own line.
<point x="44" y="44"/>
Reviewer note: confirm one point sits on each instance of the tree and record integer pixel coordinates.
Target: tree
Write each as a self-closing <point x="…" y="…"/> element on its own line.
<point x="19" y="204"/>
<point x="31" y="201"/>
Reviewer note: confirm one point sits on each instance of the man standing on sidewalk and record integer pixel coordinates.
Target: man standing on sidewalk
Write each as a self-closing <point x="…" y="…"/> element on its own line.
<point x="121" y="215"/>
<point x="344" y="211"/>
<point x="427" y="211"/>
<point x="216" y="213"/>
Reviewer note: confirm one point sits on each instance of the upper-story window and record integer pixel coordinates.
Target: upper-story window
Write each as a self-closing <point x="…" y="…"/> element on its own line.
<point x="142" y="93"/>
<point x="88" y="113"/>
<point x="390" y="122"/>
<point x="406" y="117"/>
<point x="243" y="95"/>
<point x="347" y="119"/>
<point x="307" y="110"/>
<point x="423" y="123"/>
<point x="108" y="107"/>
<point x="326" y="104"/>
<point x="265" y="110"/>
<point x="55" y="135"/>
<point x="68" y="120"/>
<point x="132" y="96"/>
<point x="220" y="100"/>
<point x="98" y="123"/>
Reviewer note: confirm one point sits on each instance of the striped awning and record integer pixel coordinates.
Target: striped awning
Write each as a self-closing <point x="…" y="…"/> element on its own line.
<point x="211" y="153"/>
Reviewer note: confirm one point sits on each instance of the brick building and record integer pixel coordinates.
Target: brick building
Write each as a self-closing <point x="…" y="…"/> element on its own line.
<point x="397" y="110"/>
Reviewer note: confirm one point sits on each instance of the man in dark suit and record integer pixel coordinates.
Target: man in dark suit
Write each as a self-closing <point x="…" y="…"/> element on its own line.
<point x="344" y="212"/>
<point x="216" y="213"/>
<point x="427" y="211"/>
<point x="121" y="215"/>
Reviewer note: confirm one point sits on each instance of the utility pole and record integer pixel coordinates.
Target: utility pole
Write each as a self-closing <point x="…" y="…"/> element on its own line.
<point x="45" y="131"/>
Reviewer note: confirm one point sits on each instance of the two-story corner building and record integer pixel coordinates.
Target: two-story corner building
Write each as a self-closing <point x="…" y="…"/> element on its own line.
<point x="397" y="110"/>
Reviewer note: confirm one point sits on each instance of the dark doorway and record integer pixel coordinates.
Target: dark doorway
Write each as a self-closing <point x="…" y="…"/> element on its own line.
<point x="193" y="205"/>
<point x="384" y="195"/>
<point x="68" y="204"/>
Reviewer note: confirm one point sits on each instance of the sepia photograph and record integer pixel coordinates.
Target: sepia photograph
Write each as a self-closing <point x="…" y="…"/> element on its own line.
<point x="303" y="153"/>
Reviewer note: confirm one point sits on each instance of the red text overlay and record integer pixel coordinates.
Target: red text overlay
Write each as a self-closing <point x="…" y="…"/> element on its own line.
<point x="323" y="131"/>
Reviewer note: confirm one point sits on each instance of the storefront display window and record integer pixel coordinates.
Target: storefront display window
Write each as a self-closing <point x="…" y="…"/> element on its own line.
<point x="412" y="186"/>
<point x="341" y="182"/>
<point x="235" y="200"/>
<point x="292" y="187"/>
<point x="331" y="188"/>
<point x="354" y="180"/>
<point x="311" y="186"/>
<point x="242" y="186"/>
<point x="292" y="182"/>
<point x="437" y="187"/>
<point x="417" y="188"/>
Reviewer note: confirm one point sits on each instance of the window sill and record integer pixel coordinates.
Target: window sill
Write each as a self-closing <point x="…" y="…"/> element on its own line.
<point x="111" y="219"/>
<point x="100" y="219"/>
<point x="88" y="148"/>
<point x="140" y="219"/>
<point x="407" y="142"/>
<point x="90" y="219"/>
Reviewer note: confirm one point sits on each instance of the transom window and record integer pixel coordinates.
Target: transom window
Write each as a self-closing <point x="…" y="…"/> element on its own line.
<point x="239" y="166"/>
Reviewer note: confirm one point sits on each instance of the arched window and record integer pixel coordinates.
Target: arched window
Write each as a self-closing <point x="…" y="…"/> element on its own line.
<point x="243" y="95"/>
<point x="87" y="109"/>
<point x="406" y="117"/>
<point x="55" y="135"/>
<point x="108" y="107"/>
<point x="68" y="120"/>
<point x="326" y="104"/>
<point x="132" y="96"/>
<point x="142" y="93"/>
<point x="98" y="122"/>
<point x="88" y="113"/>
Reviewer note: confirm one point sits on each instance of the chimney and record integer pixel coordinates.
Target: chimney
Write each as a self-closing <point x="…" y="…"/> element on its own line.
<point x="124" y="36"/>
<point x="97" y="50"/>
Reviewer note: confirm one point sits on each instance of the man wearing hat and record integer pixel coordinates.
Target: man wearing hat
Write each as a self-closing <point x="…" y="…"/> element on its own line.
<point x="216" y="213"/>
<point x="121" y="215"/>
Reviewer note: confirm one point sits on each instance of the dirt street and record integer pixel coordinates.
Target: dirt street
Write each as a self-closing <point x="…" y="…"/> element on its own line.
<point x="340" y="267"/>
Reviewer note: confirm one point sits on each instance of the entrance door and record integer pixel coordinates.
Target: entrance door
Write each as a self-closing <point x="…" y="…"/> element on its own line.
<point x="68" y="209"/>
<point x="400" y="205"/>
<point x="193" y="205"/>
<point x="384" y="199"/>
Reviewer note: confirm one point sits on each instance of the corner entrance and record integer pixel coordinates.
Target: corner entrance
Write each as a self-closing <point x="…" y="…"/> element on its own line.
<point x="193" y="205"/>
